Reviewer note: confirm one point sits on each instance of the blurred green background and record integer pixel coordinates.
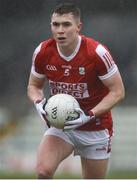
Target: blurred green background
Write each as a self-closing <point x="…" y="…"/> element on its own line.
<point x="23" y="25"/>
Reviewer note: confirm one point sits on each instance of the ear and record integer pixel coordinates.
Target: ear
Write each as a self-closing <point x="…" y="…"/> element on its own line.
<point x="79" y="26"/>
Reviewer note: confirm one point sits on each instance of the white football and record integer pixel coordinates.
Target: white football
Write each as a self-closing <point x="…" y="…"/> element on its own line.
<point x="60" y="108"/>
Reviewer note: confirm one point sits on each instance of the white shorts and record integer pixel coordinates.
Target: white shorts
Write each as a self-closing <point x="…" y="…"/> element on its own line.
<point x="87" y="144"/>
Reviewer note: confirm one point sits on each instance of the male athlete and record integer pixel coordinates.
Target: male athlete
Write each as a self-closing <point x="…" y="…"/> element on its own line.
<point x="80" y="66"/>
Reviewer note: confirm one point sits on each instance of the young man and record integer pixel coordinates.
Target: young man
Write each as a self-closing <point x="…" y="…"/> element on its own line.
<point x="80" y="66"/>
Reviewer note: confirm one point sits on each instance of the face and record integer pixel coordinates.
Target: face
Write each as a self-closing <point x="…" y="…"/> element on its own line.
<point x="65" y="29"/>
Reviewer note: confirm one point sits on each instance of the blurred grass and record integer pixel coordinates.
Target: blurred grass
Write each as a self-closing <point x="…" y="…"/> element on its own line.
<point x="111" y="175"/>
<point x="122" y="175"/>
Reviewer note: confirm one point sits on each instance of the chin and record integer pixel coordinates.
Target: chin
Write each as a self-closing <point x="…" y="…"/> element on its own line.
<point x="62" y="44"/>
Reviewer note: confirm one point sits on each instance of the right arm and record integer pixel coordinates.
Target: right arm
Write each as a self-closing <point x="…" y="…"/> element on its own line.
<point x="35" y="88"/>
<point x="36" y="84"/>
<point x="37" y="76"/>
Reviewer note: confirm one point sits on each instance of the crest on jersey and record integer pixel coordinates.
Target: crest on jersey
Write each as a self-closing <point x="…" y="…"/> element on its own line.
<point x="81" y="70"/>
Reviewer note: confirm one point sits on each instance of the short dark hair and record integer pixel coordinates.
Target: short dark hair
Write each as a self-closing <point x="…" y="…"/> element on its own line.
<point x="66" y="8"/>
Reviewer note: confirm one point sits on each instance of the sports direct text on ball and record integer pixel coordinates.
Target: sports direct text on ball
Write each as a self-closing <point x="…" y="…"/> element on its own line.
<point x="78" y="90"/>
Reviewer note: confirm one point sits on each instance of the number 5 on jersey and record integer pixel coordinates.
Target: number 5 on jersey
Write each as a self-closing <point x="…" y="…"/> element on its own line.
<point x="66" y="72"/>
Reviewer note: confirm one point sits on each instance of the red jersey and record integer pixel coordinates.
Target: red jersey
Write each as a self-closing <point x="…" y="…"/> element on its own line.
<point x="79" y="74"/>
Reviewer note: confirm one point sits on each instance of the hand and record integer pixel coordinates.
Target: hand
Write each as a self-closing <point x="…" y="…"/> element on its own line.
<point x="40" y="104"/>
<point x="82" y="119"/>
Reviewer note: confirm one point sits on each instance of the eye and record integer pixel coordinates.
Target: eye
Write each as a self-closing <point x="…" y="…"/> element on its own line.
<point x="66" y="24"/>
<point x="55" y="24"/>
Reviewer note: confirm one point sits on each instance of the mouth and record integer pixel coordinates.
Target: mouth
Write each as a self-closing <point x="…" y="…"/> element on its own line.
<point x="61" y="38"/>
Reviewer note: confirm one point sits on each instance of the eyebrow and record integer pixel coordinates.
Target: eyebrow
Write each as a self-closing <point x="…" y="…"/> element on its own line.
<point x="59" y="23"/>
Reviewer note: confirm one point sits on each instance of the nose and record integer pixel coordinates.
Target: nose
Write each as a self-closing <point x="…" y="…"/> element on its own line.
<point x="60" y="29"/>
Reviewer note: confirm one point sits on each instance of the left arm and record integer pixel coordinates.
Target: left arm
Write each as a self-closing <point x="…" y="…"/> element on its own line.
<point x="115" y="95"/>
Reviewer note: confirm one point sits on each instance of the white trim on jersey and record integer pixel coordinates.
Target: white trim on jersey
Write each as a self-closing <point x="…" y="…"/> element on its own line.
<point x="111" y="72"/>
<point x="108" y="61"/>
<point x="37" y="50"/>
<point x="40" y="76"/>
<point x="33" y="71"/>
<point x="68" y="58"/>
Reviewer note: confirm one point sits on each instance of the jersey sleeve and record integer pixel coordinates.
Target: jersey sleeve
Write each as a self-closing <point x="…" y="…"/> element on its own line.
<point x="105" y="64"/>
<point x="37" y="68"/>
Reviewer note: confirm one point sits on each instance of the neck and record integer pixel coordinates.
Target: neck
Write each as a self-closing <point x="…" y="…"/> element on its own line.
<point x="68" y="50"/>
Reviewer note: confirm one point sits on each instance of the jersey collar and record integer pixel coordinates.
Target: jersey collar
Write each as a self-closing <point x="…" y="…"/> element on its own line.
<point x="68" y="58"/>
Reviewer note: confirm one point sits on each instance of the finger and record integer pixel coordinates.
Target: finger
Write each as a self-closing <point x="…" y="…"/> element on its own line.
<point x="44" y="105"/>
<point x="47" y="122"/>
<point x="43" y="101"/>
<point x="43" y="112"/>
<point x="76" y="121"/>
<point x="70" y="127"/>
<point x="78" y="110"/>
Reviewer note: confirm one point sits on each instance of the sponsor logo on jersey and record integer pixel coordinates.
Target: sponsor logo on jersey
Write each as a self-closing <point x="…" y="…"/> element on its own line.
<point x="81" y="70"/>
<point x="51" y="67"/>
<point x="78" y="90"/>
